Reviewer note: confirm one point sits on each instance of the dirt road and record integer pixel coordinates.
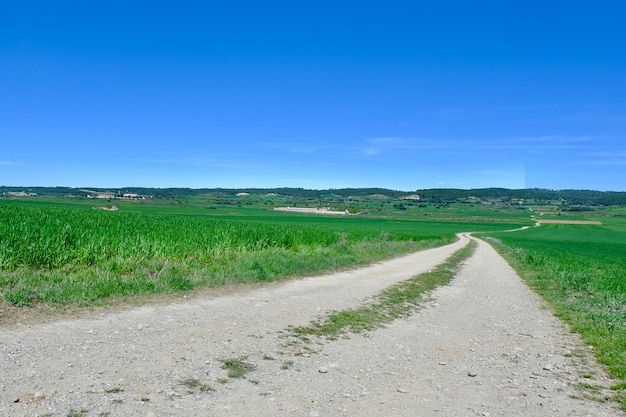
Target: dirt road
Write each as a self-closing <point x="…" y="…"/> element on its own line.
<point x="483" y="346"/>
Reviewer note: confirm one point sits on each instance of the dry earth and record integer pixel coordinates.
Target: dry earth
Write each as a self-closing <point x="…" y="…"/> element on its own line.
<point x="589" y="222"/>
<point x="484" y="345"/>
<point x="309" y="210"/>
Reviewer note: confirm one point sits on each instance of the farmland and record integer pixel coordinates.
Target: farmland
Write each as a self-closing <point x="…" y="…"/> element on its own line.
<point x="61" y="251"/>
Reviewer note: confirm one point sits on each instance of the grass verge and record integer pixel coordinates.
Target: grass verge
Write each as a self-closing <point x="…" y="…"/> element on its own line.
<point x="579" y="271"/>
<point x="395" y="302"/>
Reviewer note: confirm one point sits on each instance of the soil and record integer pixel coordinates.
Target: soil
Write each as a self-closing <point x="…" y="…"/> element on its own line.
<point x="309" y="210"/>
<point x="484" y="345"/>
<point x="589" y="222"/>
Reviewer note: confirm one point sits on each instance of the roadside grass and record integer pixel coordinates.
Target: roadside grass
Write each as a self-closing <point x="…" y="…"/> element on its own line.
<point x="580" y="270"/>
<point x="395" y="302"/>
<point x="620" y="395"/>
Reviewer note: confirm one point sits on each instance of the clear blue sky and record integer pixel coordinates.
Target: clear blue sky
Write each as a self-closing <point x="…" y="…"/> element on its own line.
<point x="315" y="94"/>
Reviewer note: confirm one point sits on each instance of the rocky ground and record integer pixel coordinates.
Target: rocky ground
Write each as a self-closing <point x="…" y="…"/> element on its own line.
<point x="484" y="345"/>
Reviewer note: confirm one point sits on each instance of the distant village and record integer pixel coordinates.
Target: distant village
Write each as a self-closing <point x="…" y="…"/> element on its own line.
<point x="103" y="195"/>
<point x="116" y="195"/>
<point x="19" y="194"/>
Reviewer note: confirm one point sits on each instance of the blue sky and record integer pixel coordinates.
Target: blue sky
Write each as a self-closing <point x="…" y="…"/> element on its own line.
<point x="396" y="94"/>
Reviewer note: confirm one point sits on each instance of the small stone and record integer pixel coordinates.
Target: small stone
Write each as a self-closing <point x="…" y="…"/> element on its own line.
<point x="402" y="390"/>
<point x="547" y="367"/>
<point x="323" y="370"/>
<point x="472" y="374"/>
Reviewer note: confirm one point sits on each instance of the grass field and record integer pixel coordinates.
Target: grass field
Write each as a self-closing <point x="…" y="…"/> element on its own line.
<point x="581" y="271"/>
<point x="62" y="251"/>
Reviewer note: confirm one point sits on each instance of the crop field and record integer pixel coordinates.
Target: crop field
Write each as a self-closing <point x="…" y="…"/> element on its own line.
<point x="57" y="252"/>
<point x="581" y="271"/>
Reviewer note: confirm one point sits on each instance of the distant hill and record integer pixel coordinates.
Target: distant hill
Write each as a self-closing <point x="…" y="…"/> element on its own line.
<point x="437" y="195"/>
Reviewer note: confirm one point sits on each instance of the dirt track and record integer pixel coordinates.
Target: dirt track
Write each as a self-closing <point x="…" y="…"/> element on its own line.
<point x="483" y="346"/>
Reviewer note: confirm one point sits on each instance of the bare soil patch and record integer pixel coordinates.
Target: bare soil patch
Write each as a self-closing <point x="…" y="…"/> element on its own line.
<point x="309" y="210"/>
<point x="592" y="222"/>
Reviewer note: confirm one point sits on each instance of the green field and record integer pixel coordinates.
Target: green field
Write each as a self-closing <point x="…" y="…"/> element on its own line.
<point x="63" y="251"/>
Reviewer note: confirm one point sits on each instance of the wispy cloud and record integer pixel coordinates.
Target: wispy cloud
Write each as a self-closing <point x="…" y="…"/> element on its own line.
<point x="538" y="143"/>
<point x="592" y="110"/>
<point x="458" y="113"/>
<point x="295" y="147"/>
<point x="615" y="158"/>
<point x="582" y="147"/>
<point x="8" y="163"/>
<point x="212" y="162"/>
<point x="462" y="113"/>
<point x="375" y="146"/>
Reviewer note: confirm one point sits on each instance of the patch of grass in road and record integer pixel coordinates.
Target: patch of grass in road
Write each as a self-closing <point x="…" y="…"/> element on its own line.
<point x="620" y="395"/>
<point x="77" y="413"/>
<point x="195" y="385"/>
<point x="591" y="392"/>
<point x="237" y="367"/>
<point x="395" y="302"/>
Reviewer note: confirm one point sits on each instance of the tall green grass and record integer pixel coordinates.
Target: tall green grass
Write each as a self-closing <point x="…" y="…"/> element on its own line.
<point x="79" y="255"/>
<point x="51" y="238"/>
<point x="581" y="271"/>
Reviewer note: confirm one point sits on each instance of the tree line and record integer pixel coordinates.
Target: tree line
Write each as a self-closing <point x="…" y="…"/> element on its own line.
<point x="589" y="198"/>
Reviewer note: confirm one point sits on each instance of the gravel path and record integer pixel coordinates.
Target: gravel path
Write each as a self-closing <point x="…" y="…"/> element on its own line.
<point x="483" y="346"/>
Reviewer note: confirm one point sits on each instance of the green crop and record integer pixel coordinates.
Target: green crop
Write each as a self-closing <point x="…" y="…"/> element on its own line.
<point x="61" y="251"/>
<point x="60" y="255"/>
